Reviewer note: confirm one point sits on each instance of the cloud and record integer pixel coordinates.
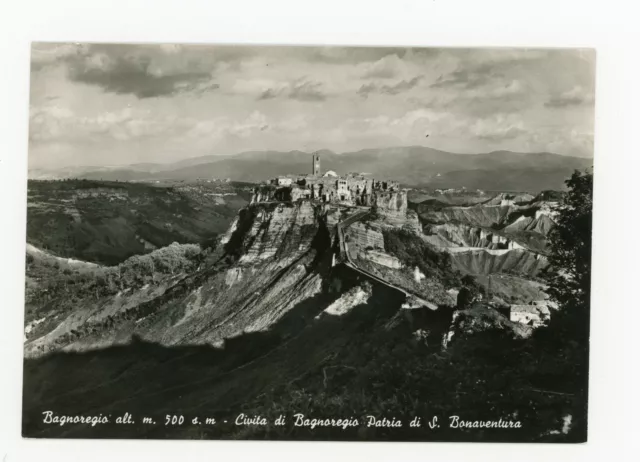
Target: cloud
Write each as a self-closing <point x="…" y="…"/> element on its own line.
<point x="53" y="123"/>
<point x="385" y="68"/>
<point x="502" y="95"/>
<point x="58" y="123"/>
<point x="270" y="93"/>
<point x="146" y="71"/>
<point x="120" y="101"/>
<point x="350" y="55"/>
<point x="574" y="142"/>
<point x="47" y="123"/>
<point x="480" y="93"/>
<point x="477" y="68"/>
<point x="443" y="124"/>
<point x="400" y="87"/>
<point x="221" y="127"/>
<point x="575" y="97"/>
<point x="49" y="54"/>
<point x="248" y="129"/>
<point x="470" y="76"/>
<point x="498" y="127"/>
<point x="462" y="79"/>
<point x="307" y="91"/>
<point x="301" y="90"/>
<point x="136" y="75"/>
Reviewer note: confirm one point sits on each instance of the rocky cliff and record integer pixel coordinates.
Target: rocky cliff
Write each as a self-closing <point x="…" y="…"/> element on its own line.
<point x="390" y="202"/>
<point x="275" y="257"/>
<point x="468" y="236"/>
<point x="483" y="262"/>
<point x="507" y="232"/>
<point x="271" y="307"/>
<point x="541" y="223"/>
<point x="478" y="215"/>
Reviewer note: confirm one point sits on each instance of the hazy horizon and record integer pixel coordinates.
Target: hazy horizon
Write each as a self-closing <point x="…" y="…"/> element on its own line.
<point x="171" y="162"/>
<point x="116" y="105"/>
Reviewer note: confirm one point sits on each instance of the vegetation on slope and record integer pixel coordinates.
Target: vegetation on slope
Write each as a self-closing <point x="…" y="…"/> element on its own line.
<point x="570" y="243"/>
<point x="414" y="252"/>
<point x="484" y="376"/>
<point x="52" y="290"/>
<point x="107" y="222"/>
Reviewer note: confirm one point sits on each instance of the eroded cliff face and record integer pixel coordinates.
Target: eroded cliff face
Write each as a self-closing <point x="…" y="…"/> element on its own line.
<point x="392" y="208"/>
<point x="484" y="216"/>
<point x="507" y="233"/>
<point x="483" y="262"/>
<point x="282" y="231"/>
<point x="541" y="223"/>
<point x="510" y="199"/>
<point x="391" y="202"/>
<point x="468" y="236"/>
<point x="275" y="264"/>
<point x="276" y="260"/>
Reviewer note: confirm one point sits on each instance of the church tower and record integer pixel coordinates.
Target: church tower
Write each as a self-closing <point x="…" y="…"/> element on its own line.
<point x="316" y="164"/>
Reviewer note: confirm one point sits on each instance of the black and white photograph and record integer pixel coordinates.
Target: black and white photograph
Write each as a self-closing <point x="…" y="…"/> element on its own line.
<point x="308" y="243"/>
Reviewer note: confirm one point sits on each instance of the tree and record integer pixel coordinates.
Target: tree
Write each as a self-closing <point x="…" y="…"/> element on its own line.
<point x="569" y="278"/>
<point x="564" y="346"/>
<point x="468" y="292"/>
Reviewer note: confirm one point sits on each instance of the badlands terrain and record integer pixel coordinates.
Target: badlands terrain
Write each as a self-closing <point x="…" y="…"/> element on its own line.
<point x="193" y="297"/>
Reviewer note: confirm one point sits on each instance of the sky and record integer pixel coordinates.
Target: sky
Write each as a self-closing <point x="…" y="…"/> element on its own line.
<point x="118" y="104"/>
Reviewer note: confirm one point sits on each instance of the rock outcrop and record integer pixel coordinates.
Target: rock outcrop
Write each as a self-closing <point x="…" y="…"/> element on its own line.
<point x="479" y="318"/>
<point x="282" y="229"/>
<point x="506" y="233"/>
<point x="530" y="315"/>
<point x="276" y="257"/>
<point x="517" y="261"/>
<point x="540" y="223"/>
<point x="391" y="203"/>
<point x="484" y="216"/>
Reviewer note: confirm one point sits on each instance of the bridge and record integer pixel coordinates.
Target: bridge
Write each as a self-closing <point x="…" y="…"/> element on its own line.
<point x="344" y="250"/>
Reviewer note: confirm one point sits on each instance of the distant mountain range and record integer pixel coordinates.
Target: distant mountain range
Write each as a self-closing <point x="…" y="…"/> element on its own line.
<point x="411" y="165"/>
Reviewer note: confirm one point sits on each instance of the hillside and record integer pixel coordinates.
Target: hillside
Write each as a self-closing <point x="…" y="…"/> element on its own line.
<point x="412" y="165"/>
<point x="272" y="258"/>
<point x="107" y="222"/>
<point x="271" y="323"/>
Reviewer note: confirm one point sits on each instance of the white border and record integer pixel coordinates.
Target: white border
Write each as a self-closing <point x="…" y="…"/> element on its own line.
<point x="608" y="26"/>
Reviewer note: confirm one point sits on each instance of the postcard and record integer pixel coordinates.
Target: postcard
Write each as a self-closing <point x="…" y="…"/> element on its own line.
<point x="308" y="243"/>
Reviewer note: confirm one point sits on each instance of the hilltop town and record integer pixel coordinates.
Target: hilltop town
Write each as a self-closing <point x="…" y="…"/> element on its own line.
<point x="355" y="189"/>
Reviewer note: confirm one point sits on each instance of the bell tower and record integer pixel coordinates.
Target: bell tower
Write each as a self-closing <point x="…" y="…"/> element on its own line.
<point x="316" y="164"/>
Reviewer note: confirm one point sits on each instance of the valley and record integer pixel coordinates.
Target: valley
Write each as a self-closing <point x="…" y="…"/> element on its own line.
<point x="108" y="221"/>
<point x="294" y="290"/>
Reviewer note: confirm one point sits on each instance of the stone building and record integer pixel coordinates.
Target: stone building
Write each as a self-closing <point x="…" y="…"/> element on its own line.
<point x="282" y="181"/>
<point x="350" y="189"/>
